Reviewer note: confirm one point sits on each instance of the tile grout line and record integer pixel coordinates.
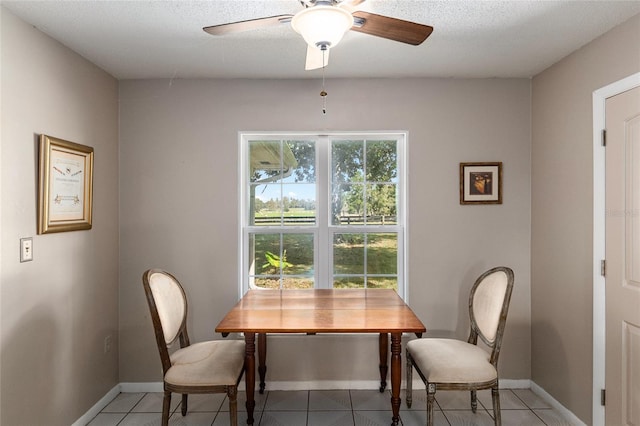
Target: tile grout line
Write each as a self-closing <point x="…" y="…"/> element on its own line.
<point x="353" y="414"/>
<point x="530" y="408"/>
<point x="130" y="409"/>
<point x="308" y="404"/>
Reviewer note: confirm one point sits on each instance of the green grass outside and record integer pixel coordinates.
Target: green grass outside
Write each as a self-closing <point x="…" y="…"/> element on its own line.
<point x="349" y="252"/>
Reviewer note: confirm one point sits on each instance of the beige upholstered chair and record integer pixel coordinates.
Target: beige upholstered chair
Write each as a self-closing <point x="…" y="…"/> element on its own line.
<point x="449" y="364"/>
<point x="206" y="367"/>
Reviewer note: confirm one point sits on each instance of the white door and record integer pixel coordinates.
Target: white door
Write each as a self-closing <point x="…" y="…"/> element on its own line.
<point x="622" y="375"/>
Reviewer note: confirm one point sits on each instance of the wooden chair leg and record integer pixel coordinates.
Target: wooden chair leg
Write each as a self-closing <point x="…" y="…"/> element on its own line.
<point x="166" y="403"/>
<point x="431" y="396"/>
<point x="232" y="393"/>
<point x="184" y="404"/>
<point x="409" y="395"/>
<point x="474" y="401"/>
<point x="495" y="396"/>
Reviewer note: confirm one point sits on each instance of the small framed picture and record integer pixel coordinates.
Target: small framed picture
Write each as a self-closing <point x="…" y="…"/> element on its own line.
<point x="65" y="193"/>
<point x="481" y="183"/>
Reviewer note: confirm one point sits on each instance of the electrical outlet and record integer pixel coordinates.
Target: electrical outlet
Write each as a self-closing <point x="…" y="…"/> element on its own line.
<point x="107" y="344"/>
<point x="26" y="249"/>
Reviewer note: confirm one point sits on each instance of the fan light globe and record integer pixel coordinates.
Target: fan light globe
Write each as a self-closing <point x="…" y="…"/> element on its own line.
<point x="322" y="26"/>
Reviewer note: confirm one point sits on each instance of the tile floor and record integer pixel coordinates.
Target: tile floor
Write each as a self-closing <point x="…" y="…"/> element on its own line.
<point x="520" y="407"/>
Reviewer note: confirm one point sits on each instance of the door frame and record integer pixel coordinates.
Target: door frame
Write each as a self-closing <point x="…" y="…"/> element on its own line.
<point x="599" y="216"/>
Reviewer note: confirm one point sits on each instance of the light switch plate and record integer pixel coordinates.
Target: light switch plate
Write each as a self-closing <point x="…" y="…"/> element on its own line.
<point x="26" y="249"/>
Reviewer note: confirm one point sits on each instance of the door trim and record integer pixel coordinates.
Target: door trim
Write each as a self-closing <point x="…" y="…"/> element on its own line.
<point x="599" y="216"/>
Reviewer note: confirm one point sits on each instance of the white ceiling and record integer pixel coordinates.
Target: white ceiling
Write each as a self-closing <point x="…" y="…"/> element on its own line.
<point x="164" y="39"/>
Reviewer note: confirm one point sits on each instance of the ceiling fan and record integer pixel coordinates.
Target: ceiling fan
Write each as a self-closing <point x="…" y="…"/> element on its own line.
<point x="322" y="23"/>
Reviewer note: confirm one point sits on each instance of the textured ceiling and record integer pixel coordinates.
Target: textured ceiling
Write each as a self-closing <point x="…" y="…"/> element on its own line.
<point x="164" y="39"/>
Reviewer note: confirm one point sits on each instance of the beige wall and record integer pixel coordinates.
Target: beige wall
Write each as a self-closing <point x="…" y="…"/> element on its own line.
<point x="178" y="209"/>
<point x="57" y="309"/>
<point x="562" y="212"/>
<point x="179" y="203"/>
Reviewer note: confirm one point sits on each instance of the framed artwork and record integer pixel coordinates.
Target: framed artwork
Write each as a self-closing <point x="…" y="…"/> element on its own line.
<point x="65" y="193"/>
<point x="481" y="183"/>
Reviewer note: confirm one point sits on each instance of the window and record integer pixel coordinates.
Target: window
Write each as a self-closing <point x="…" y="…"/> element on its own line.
<point x="323" y="211"/>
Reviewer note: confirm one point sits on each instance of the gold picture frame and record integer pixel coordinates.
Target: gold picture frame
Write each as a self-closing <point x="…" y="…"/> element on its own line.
<point x="481" y="183"/>
<point x="65" y="193"/>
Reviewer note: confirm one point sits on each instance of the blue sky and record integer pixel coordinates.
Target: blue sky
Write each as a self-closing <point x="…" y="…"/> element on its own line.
<point x="300" y="191"/>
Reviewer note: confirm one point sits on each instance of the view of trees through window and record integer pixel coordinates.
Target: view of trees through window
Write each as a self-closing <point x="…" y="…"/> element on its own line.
<point x="322" y="224"/>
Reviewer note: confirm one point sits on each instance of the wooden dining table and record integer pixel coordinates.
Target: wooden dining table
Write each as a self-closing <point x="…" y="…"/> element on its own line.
<point x="380" y="311"/>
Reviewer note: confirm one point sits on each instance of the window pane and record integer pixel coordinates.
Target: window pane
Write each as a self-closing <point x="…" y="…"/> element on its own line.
<point x="364" y="187"/>
<point x="301" y="166"/>
<point x="298" y="254"/>
<point x="265" y="249"/>
<point x="297" y="283"/>
<point x="382" y="254"/>
<point x="265" y="161"/>
<point x="262" y="282"/>
<point x="383" y="282"/>
<point x="296" y="205"/>
<point x="381" y="207"/>
<point x="299" y="270"/>
<point x="351" y="282"/>
<point x="347" y="204"/>
<point x="267" y="204"/>
<point x="348" y="254"/>
<point x="382" y="161"/>
<point x="368" y="260"/>
<point x="281" y="260"/>
<point x="299" y="204"/>
<point x="347" y="160"/>
<point x="282" y="176"/>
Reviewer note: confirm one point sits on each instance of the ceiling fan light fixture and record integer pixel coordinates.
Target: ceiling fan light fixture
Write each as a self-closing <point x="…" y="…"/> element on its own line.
<point x="322" y="26"/>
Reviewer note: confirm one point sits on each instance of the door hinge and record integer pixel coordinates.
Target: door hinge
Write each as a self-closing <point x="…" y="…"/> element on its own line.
<point x="603" y="267"/>
<point x="603" y="396"/>
<point x="604" y="137"/>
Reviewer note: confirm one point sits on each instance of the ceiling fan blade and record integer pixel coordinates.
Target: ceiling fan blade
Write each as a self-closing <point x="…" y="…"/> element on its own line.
<point x="315" y="58"/>
<point x="390" y="28"/>
<point x="250" y="24"/>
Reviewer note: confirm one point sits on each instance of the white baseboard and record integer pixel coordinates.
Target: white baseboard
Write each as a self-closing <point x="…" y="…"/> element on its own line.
<point x="98" y="406"/>
<point x="515" y="384"/>
<point x="317" y="385"/>
<point x="137" y="387"/>
<point x="134" y="387"/>
<point x="568" y="415"/>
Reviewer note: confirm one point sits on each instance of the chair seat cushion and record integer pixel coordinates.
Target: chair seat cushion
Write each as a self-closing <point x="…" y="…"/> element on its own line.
<point x="451" y="361"/>
<point x="212" y="363"/>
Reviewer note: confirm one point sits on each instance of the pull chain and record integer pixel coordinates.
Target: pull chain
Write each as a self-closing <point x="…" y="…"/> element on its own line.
<point x="323" y="93"/>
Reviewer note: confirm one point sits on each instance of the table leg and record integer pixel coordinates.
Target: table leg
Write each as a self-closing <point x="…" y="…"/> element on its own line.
<point x="262" y="359"/>
<point x="384" y="358"/>
<point x="250" y="373"/>
<point x="396" y="376"/>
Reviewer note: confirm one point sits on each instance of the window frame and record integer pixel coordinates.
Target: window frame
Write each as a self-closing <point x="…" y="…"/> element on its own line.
<point x="323" y="231"/>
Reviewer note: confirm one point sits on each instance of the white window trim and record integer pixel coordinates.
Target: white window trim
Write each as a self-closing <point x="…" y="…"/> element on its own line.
<point x="321" y="239"/>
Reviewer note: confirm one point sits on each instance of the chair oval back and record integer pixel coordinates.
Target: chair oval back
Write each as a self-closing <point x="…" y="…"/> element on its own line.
<point x="489" y="302"/>
<point x="171" y="303"/>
